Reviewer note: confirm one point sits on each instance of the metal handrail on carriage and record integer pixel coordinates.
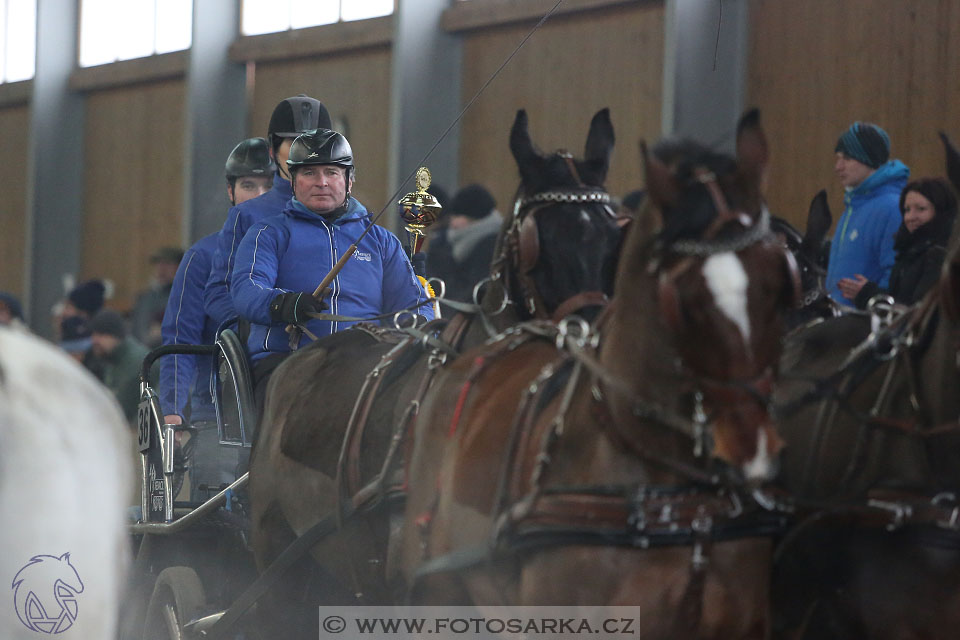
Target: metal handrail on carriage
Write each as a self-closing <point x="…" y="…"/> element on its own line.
<point x="155" y="440"/>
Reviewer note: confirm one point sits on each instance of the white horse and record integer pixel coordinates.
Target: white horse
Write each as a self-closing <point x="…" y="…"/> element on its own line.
<point x="65" y="483"/>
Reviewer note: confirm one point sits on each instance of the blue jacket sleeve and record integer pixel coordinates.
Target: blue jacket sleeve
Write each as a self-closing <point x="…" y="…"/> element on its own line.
<point x="183" y="323"/>
<point x="401" y="288"/>
<point x="255" y="274"/>
<point x="216" y="297"/>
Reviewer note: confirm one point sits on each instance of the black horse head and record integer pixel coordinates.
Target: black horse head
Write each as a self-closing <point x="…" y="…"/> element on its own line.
<point x="562" y="241"/>
<point x="811" y="249"/>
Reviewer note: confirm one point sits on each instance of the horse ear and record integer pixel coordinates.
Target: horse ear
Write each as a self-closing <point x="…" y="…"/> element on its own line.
<point x="819" y="220"/>
<point x="662" y="187"/>
<point x="752" y="155"/>
<point x="953" y="161"/>
<point x="520" y="143"/>
<point x="599" y="142"/>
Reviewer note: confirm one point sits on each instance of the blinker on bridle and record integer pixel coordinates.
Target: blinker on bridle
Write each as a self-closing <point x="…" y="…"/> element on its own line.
<point x="523" y="240"/>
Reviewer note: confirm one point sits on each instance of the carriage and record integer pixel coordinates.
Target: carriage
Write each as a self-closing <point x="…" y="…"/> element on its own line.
<point x="678" y="499"/>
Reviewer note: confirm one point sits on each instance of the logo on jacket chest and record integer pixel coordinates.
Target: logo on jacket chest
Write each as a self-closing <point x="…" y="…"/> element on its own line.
<point x="854" y="235"/>
<point x="363" y="256"/>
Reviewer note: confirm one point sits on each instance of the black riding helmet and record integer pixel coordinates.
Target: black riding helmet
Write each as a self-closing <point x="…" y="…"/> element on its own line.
<point x="322" y="146"/>
<point x="293" y="116"/>
<point x="250" y="158"/>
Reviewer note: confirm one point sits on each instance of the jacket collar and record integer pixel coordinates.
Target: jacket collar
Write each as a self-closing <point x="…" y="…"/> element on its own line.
<point x="355" y="211"/>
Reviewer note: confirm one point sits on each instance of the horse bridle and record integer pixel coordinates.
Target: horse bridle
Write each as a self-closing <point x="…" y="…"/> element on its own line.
<point x="522" y="243"/>
<point x="692" y="250"/>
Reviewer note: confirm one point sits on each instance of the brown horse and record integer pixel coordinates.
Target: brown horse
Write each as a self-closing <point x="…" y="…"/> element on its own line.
<point x="325" y="448"/>
<point x="868" y="408"/>
<point x="619" y="474"/>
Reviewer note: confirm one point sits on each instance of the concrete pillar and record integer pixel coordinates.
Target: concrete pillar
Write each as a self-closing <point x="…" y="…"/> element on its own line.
<point x="704" y="79"/>
<point x="424" y="99"/>
<point x="216" y="116"/>
<point x="54" y="159"/>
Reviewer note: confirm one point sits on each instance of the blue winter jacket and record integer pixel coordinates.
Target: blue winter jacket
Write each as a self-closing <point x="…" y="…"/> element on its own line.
<point x="296" y="249"/>
<point x="863" y="240"/>
<point x="216" y="300"/>
<point x="185" y="322"/>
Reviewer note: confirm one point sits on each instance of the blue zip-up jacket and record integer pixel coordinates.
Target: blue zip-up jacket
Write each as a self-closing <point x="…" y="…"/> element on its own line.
<point x="296" y="249"/>
<point x="216" y="299"/>
<point x="185" y="322"/>
<point x="863" y="240"/>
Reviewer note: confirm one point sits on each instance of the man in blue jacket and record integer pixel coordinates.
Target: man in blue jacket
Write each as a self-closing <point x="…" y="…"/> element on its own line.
<point x="283" y="258"/>
<point x="862" y="247"/>
<point x="290" y="118"/>
<point x="249" y="171"/>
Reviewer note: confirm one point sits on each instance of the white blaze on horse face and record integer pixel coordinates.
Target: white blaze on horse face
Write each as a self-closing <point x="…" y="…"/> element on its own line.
<point x="761" y="467"/>
<point x="727" y="281"/>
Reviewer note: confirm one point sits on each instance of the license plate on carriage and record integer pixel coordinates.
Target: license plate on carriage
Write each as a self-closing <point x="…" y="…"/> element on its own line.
<point x="144" y="424"/>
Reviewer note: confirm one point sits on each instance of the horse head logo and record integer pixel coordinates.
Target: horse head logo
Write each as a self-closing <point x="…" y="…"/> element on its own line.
<point x="45" y="593"/>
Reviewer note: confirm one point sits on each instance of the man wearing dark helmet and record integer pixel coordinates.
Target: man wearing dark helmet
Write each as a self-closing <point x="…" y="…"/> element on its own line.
<point x="183" y="378"/>
<point x="282" y="259"/>
<point x="291" y="117"/>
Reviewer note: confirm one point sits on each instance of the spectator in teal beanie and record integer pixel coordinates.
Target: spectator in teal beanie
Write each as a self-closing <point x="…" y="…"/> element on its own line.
<point x="862" y="248"/>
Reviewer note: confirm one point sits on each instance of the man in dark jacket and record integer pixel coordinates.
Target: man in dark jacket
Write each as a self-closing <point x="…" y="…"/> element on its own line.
<point x="120" y="357"/>
<point x="282" y="259"/>
<point x="461" y="252"/>
<point x="290" y="118"/>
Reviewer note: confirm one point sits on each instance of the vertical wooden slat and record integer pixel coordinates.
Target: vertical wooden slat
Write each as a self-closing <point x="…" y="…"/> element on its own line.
<point x="14" y="129"/>
<point x="572" y="67"/>
<point x="133" y="182"/>
<point x="818" y="65"/>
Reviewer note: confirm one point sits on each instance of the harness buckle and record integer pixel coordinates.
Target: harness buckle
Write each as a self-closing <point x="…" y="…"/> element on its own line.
<point x="899" y="512"/>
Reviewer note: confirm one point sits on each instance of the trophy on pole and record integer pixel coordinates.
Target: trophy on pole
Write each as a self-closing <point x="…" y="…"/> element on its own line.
<point x="419" y="210"/>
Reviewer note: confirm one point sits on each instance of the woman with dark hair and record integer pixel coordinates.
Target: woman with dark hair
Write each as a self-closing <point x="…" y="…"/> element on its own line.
<point x="928" y="207"/>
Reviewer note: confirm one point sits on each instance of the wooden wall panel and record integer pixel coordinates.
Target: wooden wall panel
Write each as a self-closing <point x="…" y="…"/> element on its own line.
<point x="133" y="182"/>
<point x="572" y="67"/>
<point x="355" y="88"/>
<point x="818" y="65"/>
<point x="14" y="132"/>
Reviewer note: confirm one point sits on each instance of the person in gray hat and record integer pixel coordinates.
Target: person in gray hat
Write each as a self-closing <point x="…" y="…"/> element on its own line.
<point x="147" y="312"/>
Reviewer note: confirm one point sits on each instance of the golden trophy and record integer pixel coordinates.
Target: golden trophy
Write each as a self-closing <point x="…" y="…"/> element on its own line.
<point x="419" y="210"/>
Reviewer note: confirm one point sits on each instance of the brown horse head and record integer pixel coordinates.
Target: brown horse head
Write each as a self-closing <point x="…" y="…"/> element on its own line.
<point x="562" y="239"/>
<point x="717" y="285"/>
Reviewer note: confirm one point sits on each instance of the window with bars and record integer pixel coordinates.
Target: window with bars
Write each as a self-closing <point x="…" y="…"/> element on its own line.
<point x="271" y="16"/>
<point x="113" y="30"/>
<point x="18" y="40"/>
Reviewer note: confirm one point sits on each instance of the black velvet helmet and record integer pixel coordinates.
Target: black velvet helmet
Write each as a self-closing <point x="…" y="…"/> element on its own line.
<point x="250" y="158"/>
<point x="293" y="116"/>
<point x="321" y="146"/>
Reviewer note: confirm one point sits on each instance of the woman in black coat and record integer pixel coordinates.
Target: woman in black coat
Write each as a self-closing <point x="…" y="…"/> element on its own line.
<point x="928" y="207"/>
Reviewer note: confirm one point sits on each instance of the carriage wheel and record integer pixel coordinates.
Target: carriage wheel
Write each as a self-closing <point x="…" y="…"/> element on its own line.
<point x="177" y="599"/>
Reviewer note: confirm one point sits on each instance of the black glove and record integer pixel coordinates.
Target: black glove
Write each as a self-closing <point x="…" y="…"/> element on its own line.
<point x="295" y="308"/>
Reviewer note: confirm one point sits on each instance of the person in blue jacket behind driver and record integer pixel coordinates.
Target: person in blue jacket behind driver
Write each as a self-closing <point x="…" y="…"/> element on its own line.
<point x="291" y="117"/>
<point x="185" y="379"/>
<point x="282" y="259"/>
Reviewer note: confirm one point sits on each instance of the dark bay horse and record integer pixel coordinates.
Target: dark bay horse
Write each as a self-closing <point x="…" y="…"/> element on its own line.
<point x="574" y="465"/>
<point x="811" y="251"/>
<point x="325" y="449"/>
<point x="868" y="408"/>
